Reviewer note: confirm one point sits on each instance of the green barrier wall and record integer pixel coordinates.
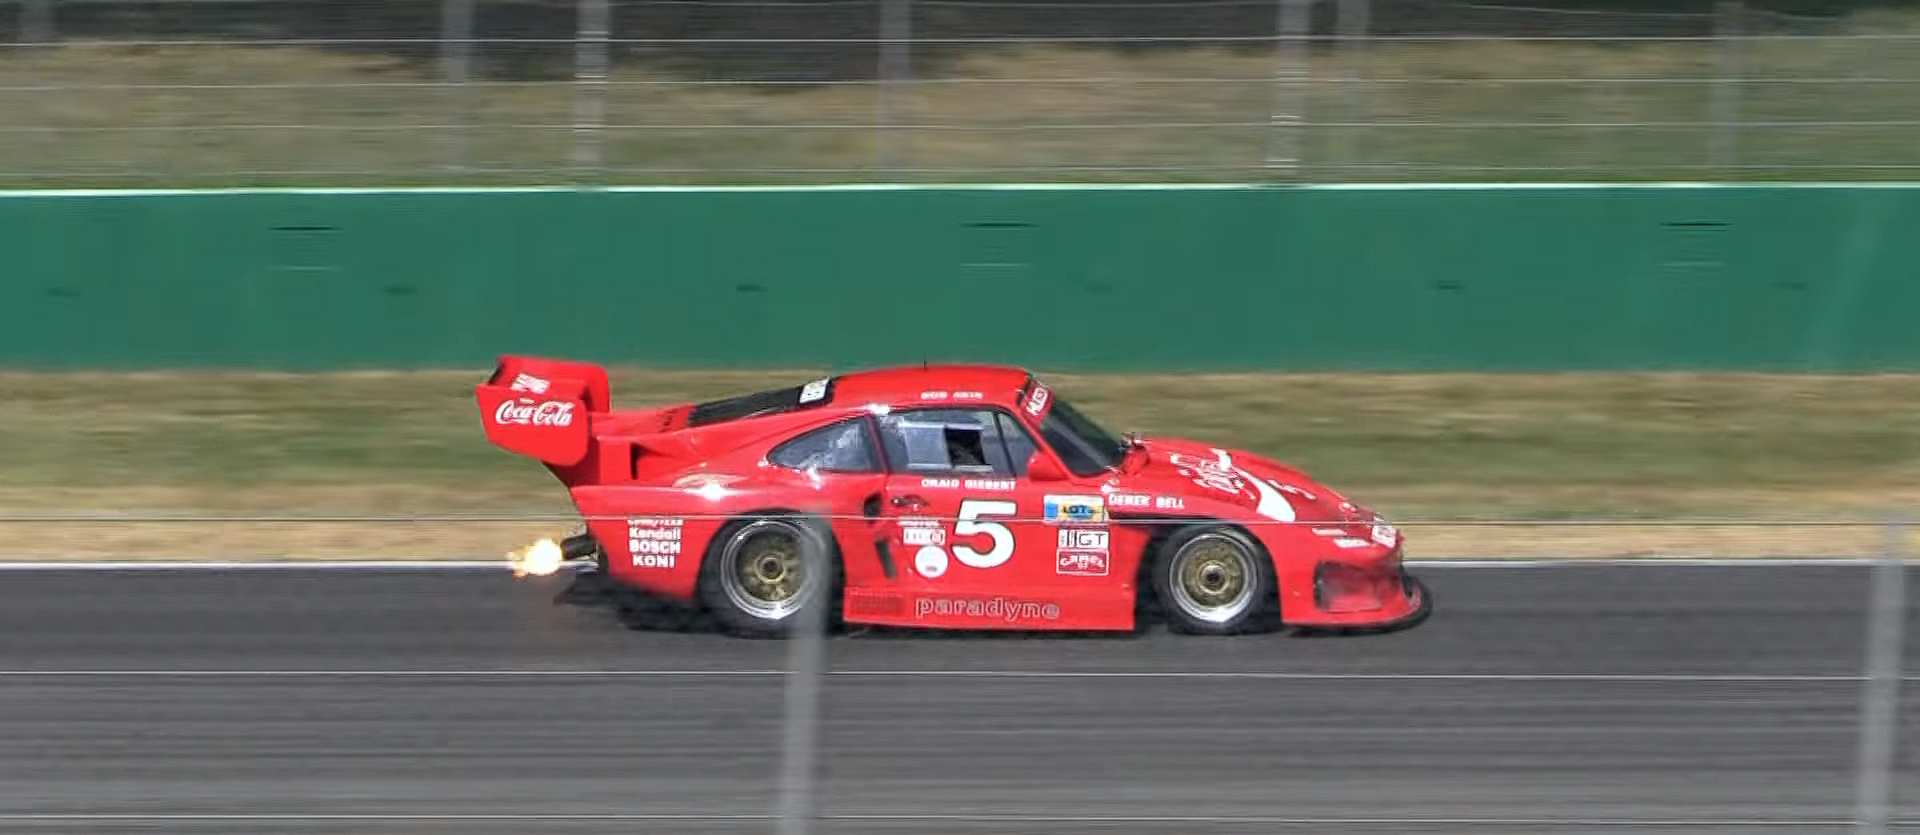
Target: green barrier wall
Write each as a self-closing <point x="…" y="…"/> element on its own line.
<point x="1790" y="278"/>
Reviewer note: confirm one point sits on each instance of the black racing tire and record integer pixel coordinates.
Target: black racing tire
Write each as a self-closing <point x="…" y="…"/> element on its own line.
<point x="761" y="570"/>
<point x="1214" y="579"/>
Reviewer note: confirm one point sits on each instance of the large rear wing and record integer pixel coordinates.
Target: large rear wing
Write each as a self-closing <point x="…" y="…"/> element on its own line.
<point x="542" y="408"/>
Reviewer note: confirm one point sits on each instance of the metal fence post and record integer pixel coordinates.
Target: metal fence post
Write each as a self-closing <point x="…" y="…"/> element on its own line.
<point x="36" y="21"/>
<point x="590" y="82"/>
<point x="805" y="662"/>
<point x="1880" y="698"/>
<point x="1291" y="75"/>
<point x="896" y="67"/>
<point x="456" y="63"/>
<point x="1729" y="29"/>
<point x="1353" y="18"/>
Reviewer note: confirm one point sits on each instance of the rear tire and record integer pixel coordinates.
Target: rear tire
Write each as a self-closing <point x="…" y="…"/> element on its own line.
<point x="761" y="573"/>
<point x="1213" y="580"/>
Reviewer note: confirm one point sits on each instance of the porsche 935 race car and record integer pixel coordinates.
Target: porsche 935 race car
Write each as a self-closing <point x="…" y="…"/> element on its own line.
<point x="950" y="496"/>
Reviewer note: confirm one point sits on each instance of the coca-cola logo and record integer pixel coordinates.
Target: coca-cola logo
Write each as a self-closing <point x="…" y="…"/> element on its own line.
<point x="1206" y="473"/>
<point x="528" y="413"/>
<point x="528" y="382"/>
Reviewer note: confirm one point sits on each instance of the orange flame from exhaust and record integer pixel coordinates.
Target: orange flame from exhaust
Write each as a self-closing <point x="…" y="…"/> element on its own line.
<point x="539" y="559"/>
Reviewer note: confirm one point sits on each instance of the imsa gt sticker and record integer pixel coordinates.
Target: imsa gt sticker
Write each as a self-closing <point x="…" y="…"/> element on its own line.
<point x="1082" y="552"/>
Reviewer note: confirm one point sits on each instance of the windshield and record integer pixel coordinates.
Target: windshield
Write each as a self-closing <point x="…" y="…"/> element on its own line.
<point x="1085" y="446"/>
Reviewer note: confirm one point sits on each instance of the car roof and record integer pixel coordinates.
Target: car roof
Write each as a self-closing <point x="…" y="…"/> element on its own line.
<point x="959" y="383"/>
<point x="982" y="383"/>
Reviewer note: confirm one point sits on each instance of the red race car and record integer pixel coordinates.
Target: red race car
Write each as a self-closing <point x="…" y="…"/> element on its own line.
<point x="941" y="496"/>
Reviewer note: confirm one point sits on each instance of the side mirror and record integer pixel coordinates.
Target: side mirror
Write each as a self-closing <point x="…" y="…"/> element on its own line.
<point x="1042" y="468"/>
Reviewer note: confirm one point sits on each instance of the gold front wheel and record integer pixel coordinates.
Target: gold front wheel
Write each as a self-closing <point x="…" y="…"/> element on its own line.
<point x="1212" y="580"/>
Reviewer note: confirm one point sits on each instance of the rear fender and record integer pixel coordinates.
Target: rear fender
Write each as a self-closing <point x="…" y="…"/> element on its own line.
<point x="655" y="537"/>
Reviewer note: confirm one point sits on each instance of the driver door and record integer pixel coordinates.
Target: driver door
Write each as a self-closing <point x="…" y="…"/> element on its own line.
<point x="966" y="522"/>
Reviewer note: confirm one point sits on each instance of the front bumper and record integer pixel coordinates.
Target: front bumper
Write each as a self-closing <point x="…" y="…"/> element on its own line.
<point x="1343" y="588"/>
<point x="1345" y="591"/>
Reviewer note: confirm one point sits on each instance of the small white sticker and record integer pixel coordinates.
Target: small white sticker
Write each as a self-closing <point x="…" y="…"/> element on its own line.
<point x="1083" y="539"/>
<point x="1037" y="401"/>
<point x="924" y="536"/>
<point x="1385" y="534"/>
<point x="930" y="561"/>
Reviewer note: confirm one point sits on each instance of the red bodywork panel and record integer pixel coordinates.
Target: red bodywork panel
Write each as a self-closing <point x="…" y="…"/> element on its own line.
<point x="1016" y="545"/>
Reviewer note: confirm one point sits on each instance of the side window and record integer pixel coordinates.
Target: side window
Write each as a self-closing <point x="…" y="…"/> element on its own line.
<point x="946" y="441"/>
<point x="842" y="447"/>
<point x="1020" y="445"/>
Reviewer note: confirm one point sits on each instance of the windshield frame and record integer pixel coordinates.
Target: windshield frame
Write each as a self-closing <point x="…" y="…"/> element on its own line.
<point x="1081" y="443"/>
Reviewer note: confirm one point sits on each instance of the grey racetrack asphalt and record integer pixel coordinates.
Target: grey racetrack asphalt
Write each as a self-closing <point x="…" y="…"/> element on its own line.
<point x="1564" y="699"/>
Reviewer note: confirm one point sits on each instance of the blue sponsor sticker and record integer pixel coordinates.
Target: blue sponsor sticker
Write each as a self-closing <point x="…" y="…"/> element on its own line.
<point x="1076" y="509"/>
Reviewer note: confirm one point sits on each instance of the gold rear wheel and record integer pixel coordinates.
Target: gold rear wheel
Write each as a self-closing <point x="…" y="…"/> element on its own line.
<point x="761" y="573"/>
<point x="762" y="570"/>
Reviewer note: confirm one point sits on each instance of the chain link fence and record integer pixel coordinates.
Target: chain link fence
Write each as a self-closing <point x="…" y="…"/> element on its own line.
<point x="415" y="92"/>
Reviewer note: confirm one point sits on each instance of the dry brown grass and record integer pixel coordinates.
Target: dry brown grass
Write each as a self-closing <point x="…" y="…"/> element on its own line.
<point x="1529" y="451"/>
<point x="257" y="115"/>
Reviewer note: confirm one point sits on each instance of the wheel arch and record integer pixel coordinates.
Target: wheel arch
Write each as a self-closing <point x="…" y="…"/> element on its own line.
<point x="736" y="521"/>
<point x="1162" y="527"/>
<point x="742" y="518"/>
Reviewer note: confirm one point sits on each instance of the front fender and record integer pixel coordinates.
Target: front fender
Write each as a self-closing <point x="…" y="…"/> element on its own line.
<point x="1328" y="576"/>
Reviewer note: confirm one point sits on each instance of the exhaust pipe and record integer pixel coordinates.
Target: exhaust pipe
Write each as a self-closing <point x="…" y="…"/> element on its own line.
<point x="578" y="546"/>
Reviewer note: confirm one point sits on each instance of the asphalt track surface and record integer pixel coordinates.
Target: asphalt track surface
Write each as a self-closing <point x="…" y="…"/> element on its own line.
<point x="1567" y="699"/>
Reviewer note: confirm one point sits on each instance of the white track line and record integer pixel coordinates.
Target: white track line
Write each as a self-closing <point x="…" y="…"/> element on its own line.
<point x="1613" y="678"/>
<point x="1649" y="562"/>
<point x="932" y="818"/>
<point x="254" y="565"/>
<point x="428" y="564"/>
<point x="1707" y="186"/>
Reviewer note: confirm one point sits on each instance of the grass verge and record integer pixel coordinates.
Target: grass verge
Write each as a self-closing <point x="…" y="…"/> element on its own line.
<point x="1634" y="451"/>
<point x="181" y="115"/>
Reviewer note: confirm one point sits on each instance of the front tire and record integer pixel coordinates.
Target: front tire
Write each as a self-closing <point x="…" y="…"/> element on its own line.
<point x="1213" y="580"/>
<point x="760" y="574"/>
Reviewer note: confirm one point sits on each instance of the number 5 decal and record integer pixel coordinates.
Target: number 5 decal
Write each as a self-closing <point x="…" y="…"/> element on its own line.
<point x="969" y="524"/>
